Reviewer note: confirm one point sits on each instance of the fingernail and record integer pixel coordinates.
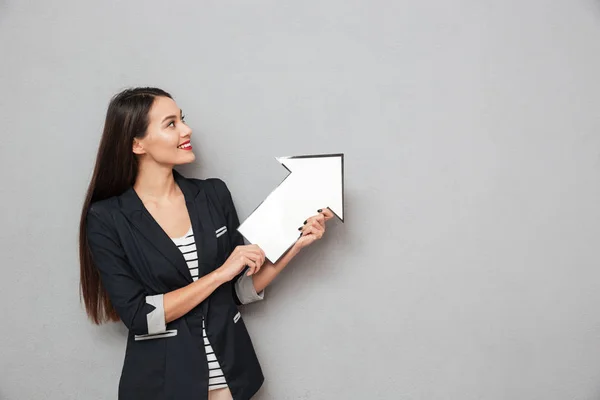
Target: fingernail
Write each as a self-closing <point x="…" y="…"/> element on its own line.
<point x="319" y="210"/>
<point x="300" y="228"/>
<point x="305" y="222"/>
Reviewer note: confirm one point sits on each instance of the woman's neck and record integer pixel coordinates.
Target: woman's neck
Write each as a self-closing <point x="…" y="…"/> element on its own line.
<point x="156" y="184"/>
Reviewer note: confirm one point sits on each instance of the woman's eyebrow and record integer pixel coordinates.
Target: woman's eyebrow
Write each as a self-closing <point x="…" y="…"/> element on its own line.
<point x="172" y="116"/>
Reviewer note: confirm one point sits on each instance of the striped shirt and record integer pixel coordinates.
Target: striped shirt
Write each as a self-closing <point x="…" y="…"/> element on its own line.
<point x="244" y="289"/>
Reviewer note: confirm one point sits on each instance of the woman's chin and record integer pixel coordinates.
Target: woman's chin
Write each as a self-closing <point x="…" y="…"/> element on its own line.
<point x="186" y="160"/>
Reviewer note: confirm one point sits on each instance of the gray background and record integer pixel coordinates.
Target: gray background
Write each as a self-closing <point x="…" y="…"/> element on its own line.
<point x="468" y="264"/>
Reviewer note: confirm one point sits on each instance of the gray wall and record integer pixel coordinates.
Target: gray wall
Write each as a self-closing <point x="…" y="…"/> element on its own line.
<point x="468" y="264"/>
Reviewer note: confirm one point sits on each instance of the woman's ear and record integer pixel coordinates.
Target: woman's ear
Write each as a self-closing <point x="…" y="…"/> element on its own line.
<point x="137" y="147"/>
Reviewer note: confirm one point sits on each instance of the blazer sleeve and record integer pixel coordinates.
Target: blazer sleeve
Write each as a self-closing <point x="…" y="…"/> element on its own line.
<point x="243" y="290"/>
<point x="142" y="313"/>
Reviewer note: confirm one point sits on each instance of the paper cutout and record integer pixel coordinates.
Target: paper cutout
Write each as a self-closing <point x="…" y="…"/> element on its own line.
<point x="314" y="182"/>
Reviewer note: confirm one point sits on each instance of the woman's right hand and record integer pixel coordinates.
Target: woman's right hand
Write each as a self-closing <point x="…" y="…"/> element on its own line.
<point x="250" y="255"/>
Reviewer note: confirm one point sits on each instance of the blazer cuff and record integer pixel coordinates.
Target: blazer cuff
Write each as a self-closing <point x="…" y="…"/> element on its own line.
<point x="245" y="291"/>
<point x="156" y="318"/>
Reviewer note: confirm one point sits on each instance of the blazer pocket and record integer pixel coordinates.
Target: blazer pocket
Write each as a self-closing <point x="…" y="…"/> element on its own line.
<point x="221" y="231"/>
<point x="165" y="334"/>
<point x="237" y="317"/>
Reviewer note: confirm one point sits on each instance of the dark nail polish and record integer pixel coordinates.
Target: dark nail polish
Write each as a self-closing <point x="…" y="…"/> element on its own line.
<point x="319" y="210"/>
<point x="300" y="228"/>
<point x="305" y="222"/>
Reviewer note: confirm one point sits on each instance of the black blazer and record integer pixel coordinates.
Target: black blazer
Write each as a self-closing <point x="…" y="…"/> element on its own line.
<point x="137" y="261"/>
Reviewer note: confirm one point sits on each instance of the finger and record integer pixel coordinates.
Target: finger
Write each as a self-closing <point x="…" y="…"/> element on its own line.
<point x="318" y="226"/>
<point x="312" y="230"/>
<point x="251" y="270"/>
<point x="310" y="233"/>
<point x="258" y="250"/>
<point x="258" y="260"/>
<point x="316" y="219"/>
<point x="305" y="230"/>
<point x="259" y="255"/>
<point x="262" y="255"/>
<point x="249" y="262"/>
<point x="254" y="257"/>
<point x="309" y="224"/>
<point x="326" y="212"/>
<point x="253" y="250"/>
<point x="258" y="266"/>
<point x="318" y="231"/>
<point x="320" y="219"/>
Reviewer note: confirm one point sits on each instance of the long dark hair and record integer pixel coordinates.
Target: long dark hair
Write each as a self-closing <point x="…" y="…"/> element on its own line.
<point x="115" y="171"/>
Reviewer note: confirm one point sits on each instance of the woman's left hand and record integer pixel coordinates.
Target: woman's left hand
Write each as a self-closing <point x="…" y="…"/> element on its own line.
<point x="313" y="228"/>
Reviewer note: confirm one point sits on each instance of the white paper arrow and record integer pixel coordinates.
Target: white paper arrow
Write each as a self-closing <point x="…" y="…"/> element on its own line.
<point x="314" y="181"/>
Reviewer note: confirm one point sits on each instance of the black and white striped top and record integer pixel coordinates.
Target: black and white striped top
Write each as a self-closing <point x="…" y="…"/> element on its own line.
<point x="244" y="289"/>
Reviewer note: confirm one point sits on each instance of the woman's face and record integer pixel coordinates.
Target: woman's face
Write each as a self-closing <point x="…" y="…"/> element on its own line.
<point x="166" y="134"/>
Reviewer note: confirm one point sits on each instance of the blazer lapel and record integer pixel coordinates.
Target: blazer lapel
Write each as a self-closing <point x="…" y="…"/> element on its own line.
<point x="197" y="207"/>
<point x="202" y="224"/>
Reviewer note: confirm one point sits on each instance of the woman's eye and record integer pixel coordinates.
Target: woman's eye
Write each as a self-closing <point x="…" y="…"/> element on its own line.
<point x="172" y="122"/>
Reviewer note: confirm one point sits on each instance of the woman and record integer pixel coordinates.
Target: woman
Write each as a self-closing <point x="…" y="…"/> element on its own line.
<point x="161" y="252"/>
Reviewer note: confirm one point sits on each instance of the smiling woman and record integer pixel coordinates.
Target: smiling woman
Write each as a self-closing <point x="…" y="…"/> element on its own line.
<point x="161" y="252"/>
<point x="167" y="133"/>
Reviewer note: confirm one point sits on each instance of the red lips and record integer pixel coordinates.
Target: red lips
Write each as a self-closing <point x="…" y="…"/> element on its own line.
<point x="185" y="148"/>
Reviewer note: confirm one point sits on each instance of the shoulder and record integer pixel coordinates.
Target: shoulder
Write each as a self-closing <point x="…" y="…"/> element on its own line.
<point x="104" y="206"/>
<point x="101" y="212"/>
<point x="214" y="183"/>
<point x="219" y="185"/>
